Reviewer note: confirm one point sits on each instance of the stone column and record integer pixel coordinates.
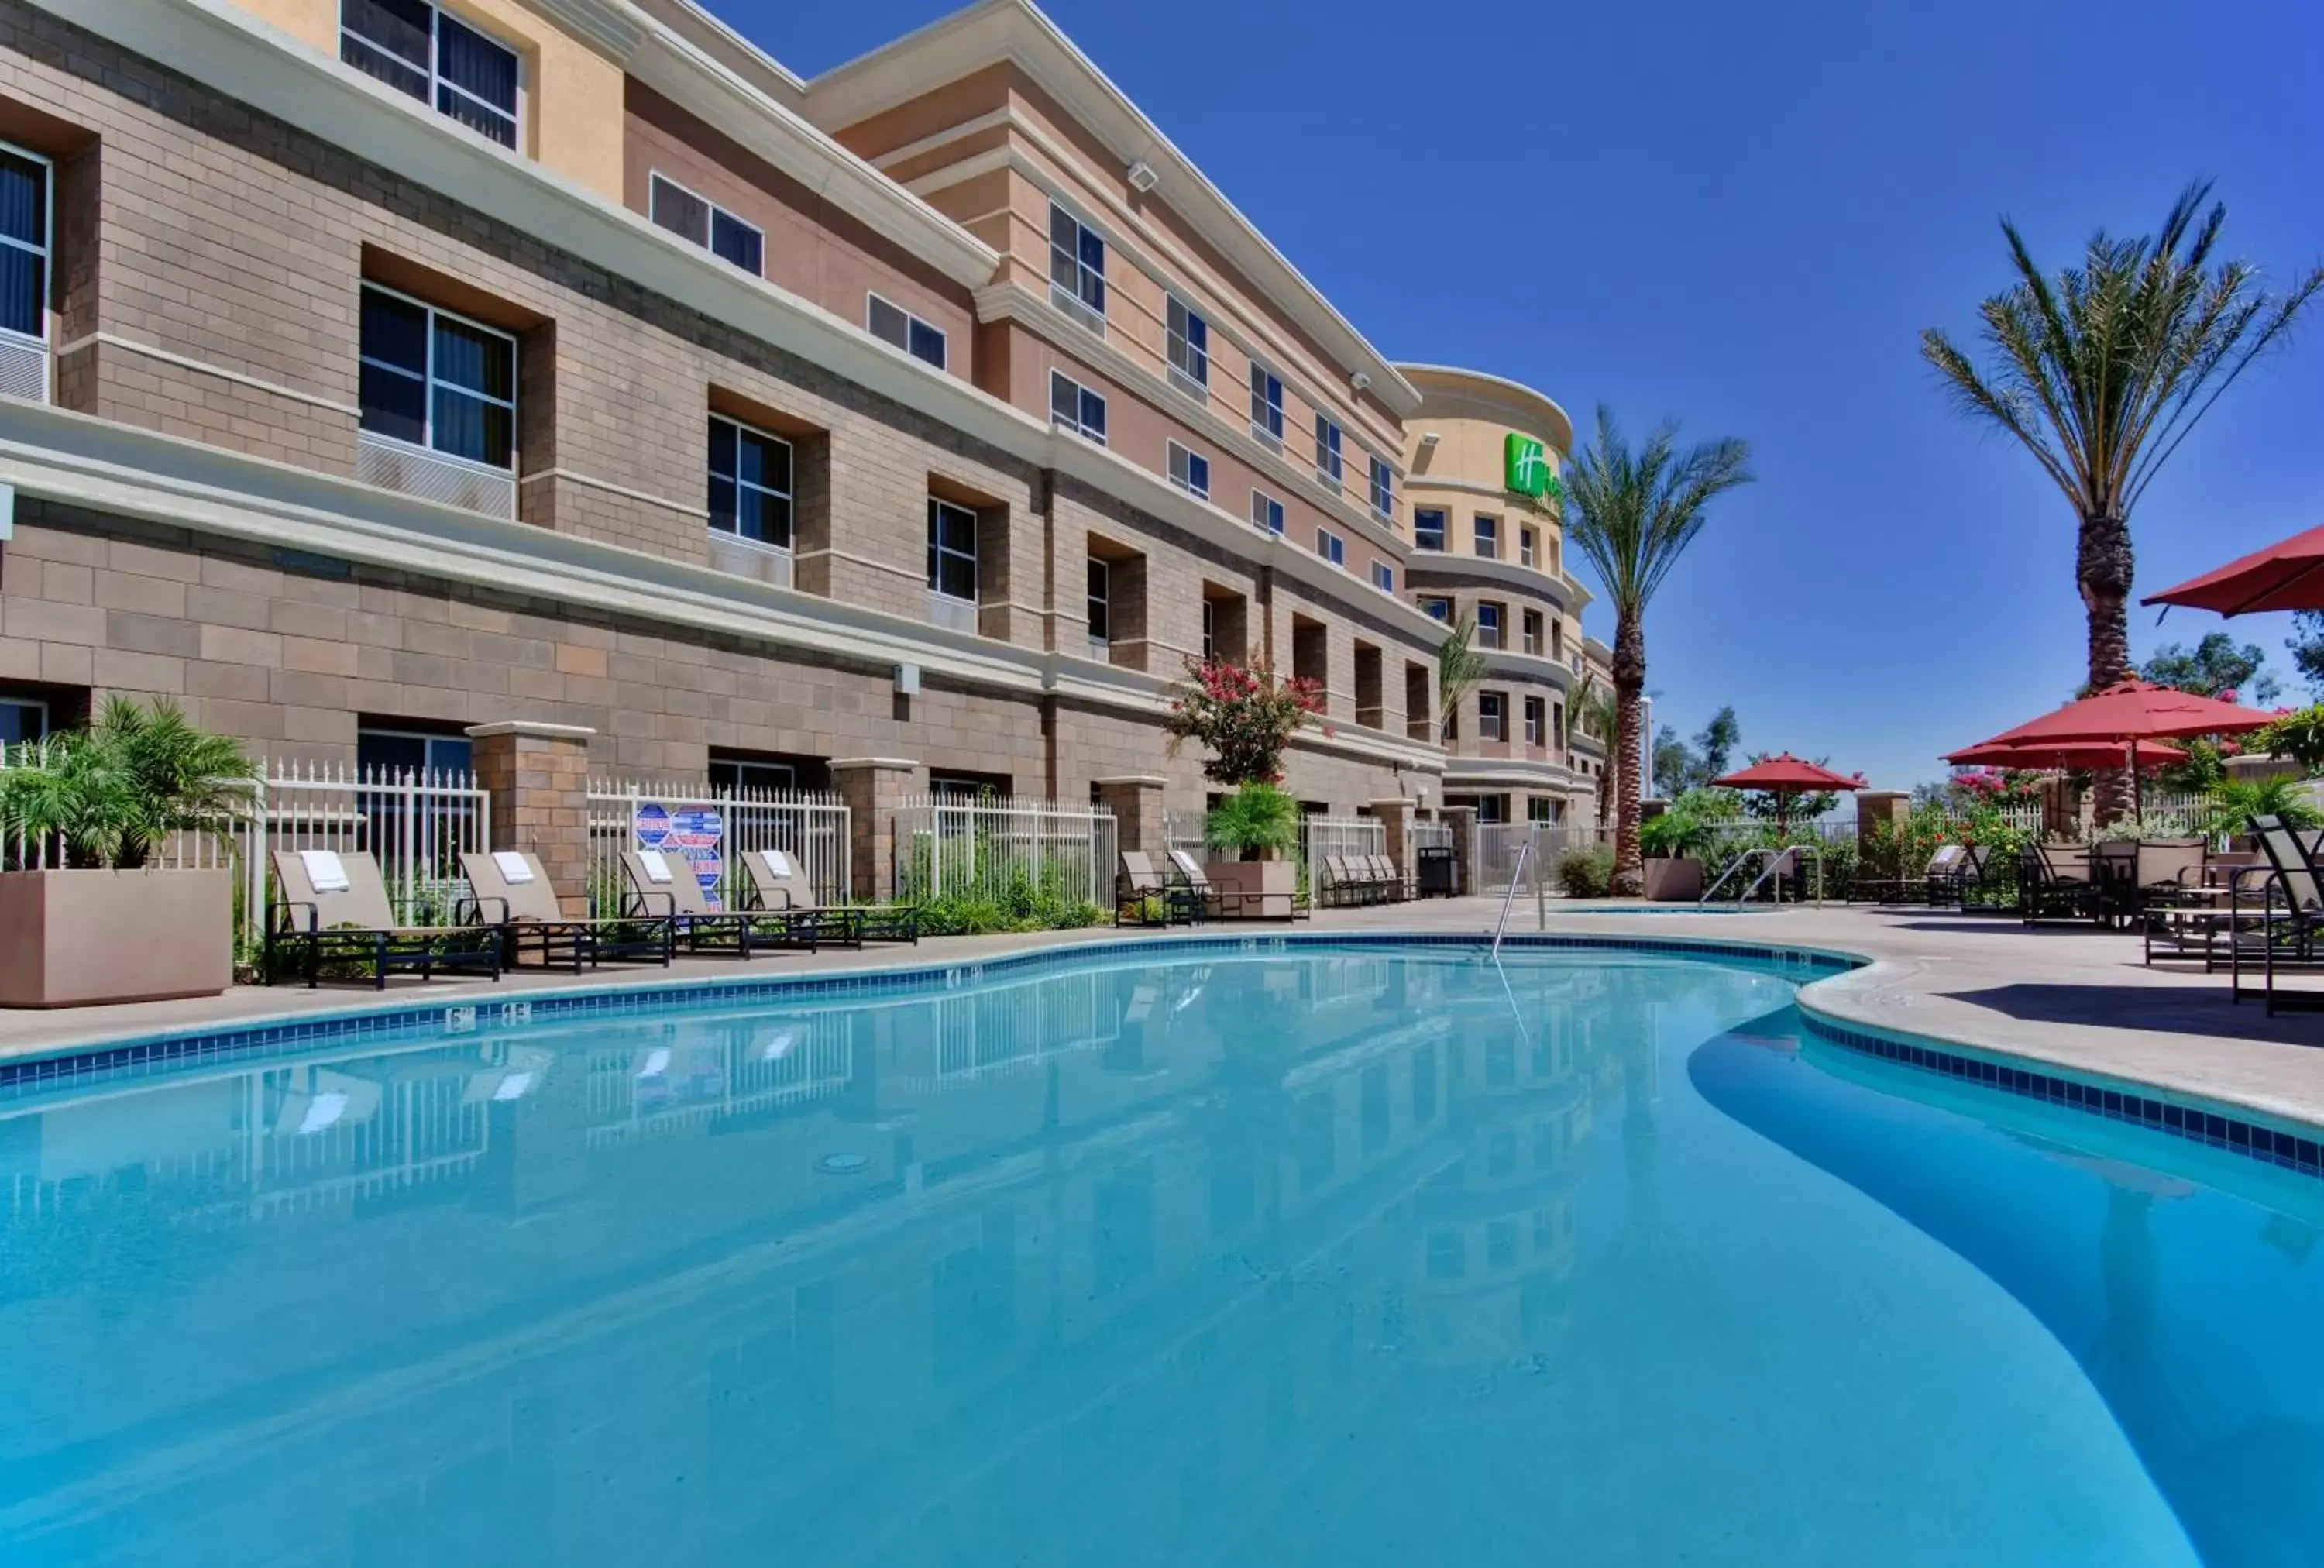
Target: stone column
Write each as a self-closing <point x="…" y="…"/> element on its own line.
<point x="1463" y="820"/>
<point x="1875" y="808"/>
<point x="873" y="788"/>
<point x="1395" y="816"/>
<point x="1136" y="802"/>
<point x="538" y="777"/>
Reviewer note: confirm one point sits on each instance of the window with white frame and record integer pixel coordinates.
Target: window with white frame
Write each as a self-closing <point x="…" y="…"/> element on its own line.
<point x="696" y="218"/>
<point x="1267" y="512"/>
<point x="1488" y="625"/>
<point x="25" y="218"/>
<point x="1488" y="537"/>
<point x="1266" y="407"/>
<point x="1210" y="629"/>
<point x="892" y="323"/>
<point x="1383" y="488"/>
<point x="1436" y="607"/>
<point x="1077" y="268"/>
<point x="1331" y="547"/>
<point x="952" y="551"/>
<point x="1189" y="470"/>
<point x="1537" y="718"/>
<point x="1383" y="576"/>
<point x="1525" y="547"/>
<point x="1529" y="631"/>
<point x="1327" y="450"/>
<point x="1492" y="717"/>
<point x="22" y="718"/>
<point x="437" y="380"/>
<point x="1427" y="528"/>
<point x="1100" y="609"/>
<point x="417" y="49"/>
<point x="1557" y="639"/>
<point x="1075" y="408"/>
<point x="750" y="484"/>
<point x="1190" y="348"/>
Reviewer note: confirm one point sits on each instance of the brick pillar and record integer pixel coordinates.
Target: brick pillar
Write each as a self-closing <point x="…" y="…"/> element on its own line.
<point x="538" y="776"/>
<point x="873" y="788"/>
<point x="1396" y="817"/>
<point x="1136" y="802"/>
<point x="1462" y="821"/>
<point x="1874" y="807"/>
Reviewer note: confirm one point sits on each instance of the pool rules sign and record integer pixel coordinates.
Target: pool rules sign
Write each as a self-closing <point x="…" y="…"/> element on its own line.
<point x="691" y="832"/>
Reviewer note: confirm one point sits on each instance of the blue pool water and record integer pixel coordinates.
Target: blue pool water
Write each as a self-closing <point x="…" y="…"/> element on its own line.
<point x="1332" y="1256"/>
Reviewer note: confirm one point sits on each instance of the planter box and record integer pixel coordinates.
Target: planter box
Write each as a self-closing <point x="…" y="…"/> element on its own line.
<point x="72" y="938"/>
<point x="1268" y="888"/>
<point x="1674" y="882"/>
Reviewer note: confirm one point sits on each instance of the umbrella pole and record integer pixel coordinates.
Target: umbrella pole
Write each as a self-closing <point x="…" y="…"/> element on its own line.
<point x="2137" y="793"/>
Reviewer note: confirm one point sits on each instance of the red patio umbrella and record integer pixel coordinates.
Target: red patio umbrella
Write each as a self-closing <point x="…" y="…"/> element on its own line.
<point x="1784" y="776"/>
<point x="2086" y="754"/>
<point x="2288" y="575"/>
<point x="2123" y="714"/>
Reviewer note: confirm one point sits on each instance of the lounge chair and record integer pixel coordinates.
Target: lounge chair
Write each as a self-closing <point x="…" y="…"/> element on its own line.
<point x="1337" y="884"/>
<point x="1395" y="885"/>
<point x="333" y="907"/>
<point x="513" y="892"/>
<point x="1231" y="902"/>
<point x="2053" y="883"/>
<point x="779" y="885"/>
<point x="1140" y="891"/>
<point x="665" y="886"/>
<point x="2289" y="915"/>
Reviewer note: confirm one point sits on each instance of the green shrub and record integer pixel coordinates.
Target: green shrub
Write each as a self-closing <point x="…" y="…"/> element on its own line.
<point x="1019" y="905"/>
<point x="1256" y="817"/>
<point x="1587" y="873"/>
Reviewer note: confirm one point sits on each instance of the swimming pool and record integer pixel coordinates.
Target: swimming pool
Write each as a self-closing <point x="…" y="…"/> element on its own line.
<point x="1361" y="1255"/>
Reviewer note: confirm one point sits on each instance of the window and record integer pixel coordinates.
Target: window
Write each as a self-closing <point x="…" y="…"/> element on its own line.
<point x="1101" y="607"/>
<point x="438" y="380"/>
<point x="1427" y="528"/>
<point x="1437" y="608"/>
<point x="1210" y="629"/>
<point x="1557" y="639"/>
<point x="1266" y="407"/>
<point x="952" y="551"/>
<point x="24" y="244"/>
<point x="1190" y="472"/>
<point x="416" y="48"/>
<point x="1327" y="451"/>
<point x="1267" y="512"/>
<point x="22" y="718"/>
<point x="1525" y="547"/>
<point x="750" y="484"/>
<point x="734" y="776"/>
<point x="1488" y="537"/>
<point x="894" y="324"/>
<point x="1492" y="717"/>
<point x="1331" y="547"/>
<point x="1383" y="488"/>
<point x="1383" y="576"/>
<point x="399" y="752"/>
<point x="1190" y="349"/>
<point x="1541" y="808"/>
<point x="1529" y="624"/>
<point x="1077" y="269"/>
<point x="1537" y="717"/>
<point x="713" y="228"/>
<point x="1075" y="408"/>
<point x="1488" y="625"/>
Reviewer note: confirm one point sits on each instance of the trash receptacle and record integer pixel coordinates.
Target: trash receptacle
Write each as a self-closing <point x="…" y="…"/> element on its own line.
<point x="1438" y="876"/>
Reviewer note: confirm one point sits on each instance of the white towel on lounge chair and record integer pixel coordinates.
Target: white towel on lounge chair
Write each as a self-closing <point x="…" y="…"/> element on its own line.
<point x="325" y="872"/>
<point x="513" y="868"/>
<point x="778" y="863"/>
<point x="656" y="864"/>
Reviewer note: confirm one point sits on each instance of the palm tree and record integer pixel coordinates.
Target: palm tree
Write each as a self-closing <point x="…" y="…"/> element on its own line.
<point x="1459" y="668"/>
<point x="2101" y="372"/>
<point x="1633" y="514"/>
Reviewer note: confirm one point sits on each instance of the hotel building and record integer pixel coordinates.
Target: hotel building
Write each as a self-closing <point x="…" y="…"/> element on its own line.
<point x="377" y="370"/>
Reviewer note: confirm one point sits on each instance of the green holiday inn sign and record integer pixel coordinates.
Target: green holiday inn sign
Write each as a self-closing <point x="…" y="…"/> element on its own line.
<point x="1524" y="468"/>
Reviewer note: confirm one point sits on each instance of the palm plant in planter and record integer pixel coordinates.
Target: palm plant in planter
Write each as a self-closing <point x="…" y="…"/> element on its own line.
<point x="101" y="926"/>
<point x="1245" y="716"/>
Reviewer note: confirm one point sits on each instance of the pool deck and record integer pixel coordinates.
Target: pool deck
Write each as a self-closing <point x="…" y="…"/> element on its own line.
<point x="2069" y="997"/>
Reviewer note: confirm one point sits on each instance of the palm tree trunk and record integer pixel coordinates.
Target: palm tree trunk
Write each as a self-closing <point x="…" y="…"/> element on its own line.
<point x="2104" y="569"/>
<point x="1629" y="673"/>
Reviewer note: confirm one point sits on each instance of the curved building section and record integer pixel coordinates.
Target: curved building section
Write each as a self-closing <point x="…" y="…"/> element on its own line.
<point x="1482" y="458"/>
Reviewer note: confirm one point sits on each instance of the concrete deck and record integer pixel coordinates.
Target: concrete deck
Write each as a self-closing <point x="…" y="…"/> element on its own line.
<point x="2068" y="997"/>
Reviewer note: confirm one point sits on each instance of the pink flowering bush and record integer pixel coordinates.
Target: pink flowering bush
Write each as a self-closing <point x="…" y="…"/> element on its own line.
<point x="1245" y="718"/>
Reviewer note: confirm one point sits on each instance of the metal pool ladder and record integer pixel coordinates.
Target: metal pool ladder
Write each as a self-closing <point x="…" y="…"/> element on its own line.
<point x="1508" y="900"/>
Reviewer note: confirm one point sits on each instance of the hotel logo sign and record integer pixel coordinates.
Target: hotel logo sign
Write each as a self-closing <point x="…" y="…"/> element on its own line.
<point x="1524" y="468"/>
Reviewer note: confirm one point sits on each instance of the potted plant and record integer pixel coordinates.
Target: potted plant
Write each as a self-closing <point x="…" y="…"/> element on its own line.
<point x="1673" y="841"/>
<point x="1246" y="717"/>
<point x="98" y="924"/>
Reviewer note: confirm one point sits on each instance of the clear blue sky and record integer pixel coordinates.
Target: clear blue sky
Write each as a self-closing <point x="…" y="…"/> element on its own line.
<point x="1743" y="217"/>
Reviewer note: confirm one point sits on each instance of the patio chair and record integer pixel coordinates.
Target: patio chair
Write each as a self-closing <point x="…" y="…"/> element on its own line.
<point x="513" y="892"/>
<point x="1394" y="886"/>
<point x="1141" y="891"/>
<point x="665" y="886"/>
<point x="2053" y="883"/>
<point x="1342" y="882"/>
<point x="2290" y="913"/>
<point x="778" y="883"/>
<point x="332" y="906"/>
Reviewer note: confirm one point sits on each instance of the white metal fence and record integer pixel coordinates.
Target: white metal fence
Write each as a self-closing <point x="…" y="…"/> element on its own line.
<point x="999" y="849"/>
<point x="1184" y="829"/>
<point x="1326" y="835"/>
<point x="716" y="831"/>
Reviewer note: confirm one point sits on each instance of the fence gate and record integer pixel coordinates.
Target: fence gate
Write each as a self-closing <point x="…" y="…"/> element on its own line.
<point x="990" y="848"/>
<point x="717" y="830"/>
